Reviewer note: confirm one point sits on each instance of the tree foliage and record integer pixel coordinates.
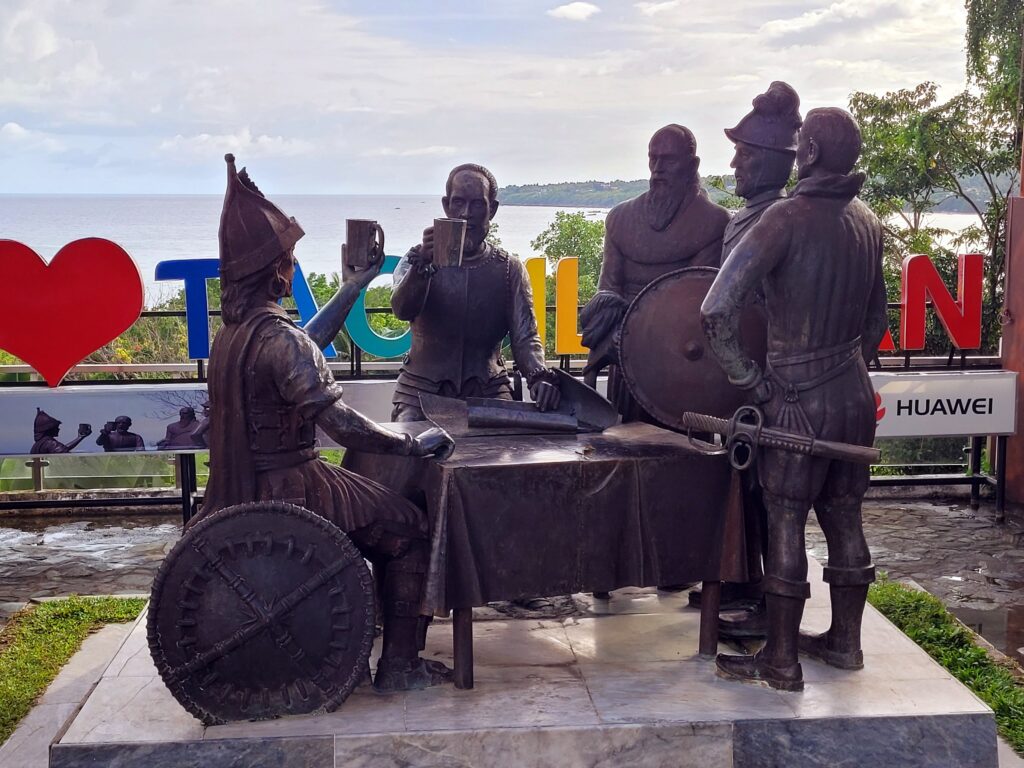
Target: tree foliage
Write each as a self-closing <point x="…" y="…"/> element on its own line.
<point x="995" y="59"/>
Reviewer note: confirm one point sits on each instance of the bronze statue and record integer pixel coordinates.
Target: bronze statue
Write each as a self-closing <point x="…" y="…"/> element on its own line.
<point x="765" y="148"/>
<point x="200" y="436"/>
<point x="270" y="388"/>
<point x="179" y="434"/>
<point x="817" y="257"/>
<point x="115" y="437"/>
<point x="673" y="225"/>
<point x="461" y="314"/>
<point x="46" y="428"/>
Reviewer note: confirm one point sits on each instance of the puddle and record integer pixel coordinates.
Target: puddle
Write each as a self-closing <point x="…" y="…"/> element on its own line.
<point x="1003" y="627"/>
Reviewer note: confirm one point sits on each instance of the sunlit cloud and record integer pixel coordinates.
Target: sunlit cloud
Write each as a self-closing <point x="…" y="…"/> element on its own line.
<point x="242" y="142"/>
<point x="574" y="11"/>
<point x="652" y="9"/>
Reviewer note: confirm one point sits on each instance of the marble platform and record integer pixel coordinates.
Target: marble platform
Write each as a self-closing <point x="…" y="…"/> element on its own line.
<point x="622" y="686"/>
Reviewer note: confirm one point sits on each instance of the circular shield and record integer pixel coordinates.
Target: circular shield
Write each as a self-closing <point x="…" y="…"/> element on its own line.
<point x="665" y="358"/>
<point x="261" y="610"/>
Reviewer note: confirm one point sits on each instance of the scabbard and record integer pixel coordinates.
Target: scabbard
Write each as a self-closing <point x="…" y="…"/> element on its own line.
<point x="810" y="446"/>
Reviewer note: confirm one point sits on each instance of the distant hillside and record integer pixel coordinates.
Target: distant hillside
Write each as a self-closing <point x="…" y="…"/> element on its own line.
<point x="597" y="194"/>
<point x="605" y="194"/>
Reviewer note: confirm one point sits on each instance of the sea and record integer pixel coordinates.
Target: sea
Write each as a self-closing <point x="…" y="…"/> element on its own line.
<point x="155" y="228"/>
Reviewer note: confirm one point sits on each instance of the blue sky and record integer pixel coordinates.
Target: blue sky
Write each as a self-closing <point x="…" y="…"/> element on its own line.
<point x="347" y="96"/>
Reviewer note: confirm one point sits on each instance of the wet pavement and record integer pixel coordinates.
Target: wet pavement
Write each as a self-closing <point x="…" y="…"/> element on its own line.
<point x="973" y="565"/>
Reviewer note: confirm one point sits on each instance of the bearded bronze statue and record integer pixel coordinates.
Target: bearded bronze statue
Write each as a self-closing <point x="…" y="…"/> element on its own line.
<point x="817" y="258"/>
<point x="270" y="389"/>
<point x="672" y="225"/>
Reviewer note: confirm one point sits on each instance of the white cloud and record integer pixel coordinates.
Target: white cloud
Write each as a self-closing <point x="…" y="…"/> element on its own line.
<point x="244" y="143"/>
<point x="651" y="9"/>
<point x="432" y="151"/>
<point x="25" y="140"/>
<point x="574" y="11"/>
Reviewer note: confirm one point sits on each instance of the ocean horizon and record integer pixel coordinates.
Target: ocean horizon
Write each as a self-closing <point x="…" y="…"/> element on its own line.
<point x="155" y="228"/>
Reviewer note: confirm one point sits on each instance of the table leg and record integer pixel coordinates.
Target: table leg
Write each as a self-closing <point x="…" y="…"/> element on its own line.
<point x="462" y="631"/>
<point x="710" y="598"/>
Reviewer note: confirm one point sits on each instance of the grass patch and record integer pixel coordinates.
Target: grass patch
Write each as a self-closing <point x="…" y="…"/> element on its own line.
<point x="39" y="640"/>
<point x="925" y="620"/>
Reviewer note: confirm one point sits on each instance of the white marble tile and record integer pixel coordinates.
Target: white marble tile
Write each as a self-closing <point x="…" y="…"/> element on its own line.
<point x="132" y="658"/>
<point x="504" y="697"/>
<point x="29" y="745"/>
<point x="505" y="643"/>
<point x="132" y="709"/>
<point x="874" y="697"/>
<point x="639" y="638"/>
<point x="362" y="712"/>
<point x="687" y="691"/>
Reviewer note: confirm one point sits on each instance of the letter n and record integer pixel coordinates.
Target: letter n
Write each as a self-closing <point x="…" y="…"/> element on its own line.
<point x="961" y="316"/>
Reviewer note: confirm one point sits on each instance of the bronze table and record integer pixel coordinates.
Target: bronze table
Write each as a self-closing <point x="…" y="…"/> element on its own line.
<point x="521" y="516"/>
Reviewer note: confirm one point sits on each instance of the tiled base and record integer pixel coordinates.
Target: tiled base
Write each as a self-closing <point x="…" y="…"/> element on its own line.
<point x="623" y="687"/>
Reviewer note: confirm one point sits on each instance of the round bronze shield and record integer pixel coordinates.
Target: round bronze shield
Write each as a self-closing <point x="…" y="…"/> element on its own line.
<point x="665" y="358"/>
<point x="261" y="610"/>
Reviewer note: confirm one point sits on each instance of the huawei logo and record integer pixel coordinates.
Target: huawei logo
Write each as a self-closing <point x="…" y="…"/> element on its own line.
<point x="879" y="410"/>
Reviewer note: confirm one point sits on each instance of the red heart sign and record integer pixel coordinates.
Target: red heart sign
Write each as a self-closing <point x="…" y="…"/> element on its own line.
<point x="54" y="315"/>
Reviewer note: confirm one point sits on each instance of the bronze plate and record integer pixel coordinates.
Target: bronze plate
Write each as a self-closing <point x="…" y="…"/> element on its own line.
<point x="665" y="358"/>
<point x="261" y="610"/>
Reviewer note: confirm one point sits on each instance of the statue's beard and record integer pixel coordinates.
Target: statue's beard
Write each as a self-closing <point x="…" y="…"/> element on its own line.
<point x="663" y="201"/>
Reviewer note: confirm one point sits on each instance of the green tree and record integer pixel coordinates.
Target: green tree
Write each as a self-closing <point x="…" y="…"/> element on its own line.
<point x="995" y="57"/>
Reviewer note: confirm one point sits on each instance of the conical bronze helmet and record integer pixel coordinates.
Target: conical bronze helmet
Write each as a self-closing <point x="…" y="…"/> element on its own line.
<point x="44" y="422"/>
<point x="774" y="122"/>
<point x="253" y="231"/>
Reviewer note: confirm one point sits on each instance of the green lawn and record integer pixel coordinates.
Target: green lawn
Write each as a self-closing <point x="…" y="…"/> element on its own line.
<point x="39" y="640"/>
<point x="926" y="621"/>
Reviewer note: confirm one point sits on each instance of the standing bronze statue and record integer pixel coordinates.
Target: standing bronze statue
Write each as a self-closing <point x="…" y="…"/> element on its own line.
<point x="672" y="225"/>
<point x="765" y="143"/>
<point x="270" y="388"/>
<point x="817" y="257"/>
<point x="45" y="431"/>
<point x="461" y="314"/>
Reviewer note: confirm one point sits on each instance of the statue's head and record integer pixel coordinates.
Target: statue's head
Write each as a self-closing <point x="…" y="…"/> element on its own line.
<point x="766" y="141"/>
<point x="471" y="194"/>
<point x="45" y="425"/>
<point x="187" y="413"/>
<point x="122" y="423"/>
<point x="257" y="242"/>
<point x="830" y="142"/>
<point x="672" y="158"/>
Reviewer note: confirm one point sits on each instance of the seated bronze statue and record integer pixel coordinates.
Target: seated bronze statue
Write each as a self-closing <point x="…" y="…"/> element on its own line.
<point x="270" y="389"/>
<point x="460" y="315"/>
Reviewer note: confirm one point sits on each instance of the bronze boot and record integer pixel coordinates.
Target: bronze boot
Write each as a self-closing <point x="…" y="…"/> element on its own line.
<point x="777" y="663"/>
<point x="840" y="646"/>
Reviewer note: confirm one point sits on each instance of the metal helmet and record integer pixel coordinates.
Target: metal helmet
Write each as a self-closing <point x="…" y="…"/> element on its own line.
<point x="253" y="231"/>
<point x="44" y="422"/>
<point x="774" y="121"/>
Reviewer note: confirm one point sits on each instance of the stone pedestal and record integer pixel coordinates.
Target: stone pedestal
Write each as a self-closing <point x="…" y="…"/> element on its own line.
<point x="621" y="686"/>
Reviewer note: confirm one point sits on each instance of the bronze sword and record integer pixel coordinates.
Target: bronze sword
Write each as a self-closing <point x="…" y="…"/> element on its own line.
<point x="744" y="432"/>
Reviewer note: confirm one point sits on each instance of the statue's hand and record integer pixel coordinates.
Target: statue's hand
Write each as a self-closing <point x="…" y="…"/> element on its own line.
<point x="427" y="247"/>
<point x="362" y="277"/>
<point x="762" y="392"/>
<point x="434" y="442"/>
<point x="84" y="430"/>
<point x="546" y="396"/>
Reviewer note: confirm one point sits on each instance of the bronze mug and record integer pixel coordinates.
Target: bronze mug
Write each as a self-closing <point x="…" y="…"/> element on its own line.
<point x="364" y="243"/>
<point x="449" y="237"/>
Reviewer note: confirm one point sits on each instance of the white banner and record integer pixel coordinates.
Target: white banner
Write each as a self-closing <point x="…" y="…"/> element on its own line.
<point x="953" y="404"/>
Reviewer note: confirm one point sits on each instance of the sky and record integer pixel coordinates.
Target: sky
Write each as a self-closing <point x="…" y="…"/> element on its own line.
<point x="384" y="97"/>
